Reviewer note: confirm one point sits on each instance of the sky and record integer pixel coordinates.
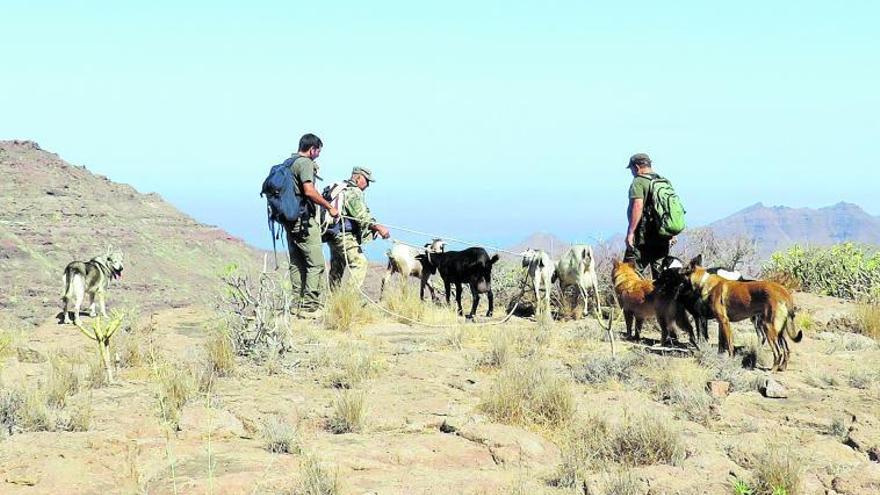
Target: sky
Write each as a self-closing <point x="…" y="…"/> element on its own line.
<point x="484" y="121"/>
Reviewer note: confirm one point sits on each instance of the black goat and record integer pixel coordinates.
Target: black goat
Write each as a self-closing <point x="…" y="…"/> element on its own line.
<point x="472" y="266"/>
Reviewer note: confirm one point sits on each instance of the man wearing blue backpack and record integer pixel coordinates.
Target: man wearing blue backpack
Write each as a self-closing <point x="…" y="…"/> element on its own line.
<point x="655" y="216"/>
<point x="304" y="234"/>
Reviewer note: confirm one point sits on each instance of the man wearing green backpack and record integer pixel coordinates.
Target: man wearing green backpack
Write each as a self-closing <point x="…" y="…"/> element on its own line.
<point x="655" y="216"/>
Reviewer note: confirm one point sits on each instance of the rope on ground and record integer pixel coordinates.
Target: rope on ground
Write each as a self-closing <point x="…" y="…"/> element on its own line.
<point x="425" y="324"/>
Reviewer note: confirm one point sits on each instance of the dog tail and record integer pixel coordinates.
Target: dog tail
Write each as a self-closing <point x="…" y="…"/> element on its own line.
<point x="67" y="278"/>
<point x="494" y="259"/>
<point x="790" y="327"/>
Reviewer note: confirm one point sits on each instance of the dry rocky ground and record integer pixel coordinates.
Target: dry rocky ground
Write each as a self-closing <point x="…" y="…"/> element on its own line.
<point x="430" y="422"/>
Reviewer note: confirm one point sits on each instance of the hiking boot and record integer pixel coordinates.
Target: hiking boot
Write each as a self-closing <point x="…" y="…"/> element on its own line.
<point x="315" y="314"/>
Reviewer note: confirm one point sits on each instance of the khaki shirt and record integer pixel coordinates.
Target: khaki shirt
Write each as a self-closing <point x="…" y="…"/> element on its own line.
<point x="355" y="206"/>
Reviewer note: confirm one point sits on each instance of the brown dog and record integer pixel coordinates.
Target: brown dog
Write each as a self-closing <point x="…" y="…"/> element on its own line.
<point x="768" y="304"/>
<point x="640" y="301"/>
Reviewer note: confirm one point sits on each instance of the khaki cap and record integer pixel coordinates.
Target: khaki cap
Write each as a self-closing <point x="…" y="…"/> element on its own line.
<point x="365" y="172"/>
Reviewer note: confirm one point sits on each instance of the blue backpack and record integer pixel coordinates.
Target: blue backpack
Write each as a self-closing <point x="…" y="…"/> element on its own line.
<point x="283" y="206"/>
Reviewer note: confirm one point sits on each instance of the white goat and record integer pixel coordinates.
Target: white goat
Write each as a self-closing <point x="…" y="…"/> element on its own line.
<point x="539" y="270"/>
<point x="577" y="267"/>
<point x="402" y="260"/>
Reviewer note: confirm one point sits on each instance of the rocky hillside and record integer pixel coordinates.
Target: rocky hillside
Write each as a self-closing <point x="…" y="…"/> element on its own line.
<point x="778" y="227"/>
<point x="52" y="212"/>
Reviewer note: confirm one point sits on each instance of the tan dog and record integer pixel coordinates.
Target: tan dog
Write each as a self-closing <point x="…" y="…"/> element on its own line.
<point x="640" y="301"/>
<point x="768" y="304"/>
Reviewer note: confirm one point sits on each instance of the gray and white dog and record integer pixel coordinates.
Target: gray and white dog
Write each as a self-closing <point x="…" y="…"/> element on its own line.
<point x="90" y="278"/>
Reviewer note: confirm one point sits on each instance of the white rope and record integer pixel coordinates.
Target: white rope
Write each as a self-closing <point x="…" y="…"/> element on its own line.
<point x="417" y="322"/>
<point x="445" y="238"/>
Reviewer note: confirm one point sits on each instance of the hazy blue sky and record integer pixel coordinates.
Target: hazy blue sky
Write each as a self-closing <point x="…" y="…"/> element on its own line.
<point x="481" y="120"/>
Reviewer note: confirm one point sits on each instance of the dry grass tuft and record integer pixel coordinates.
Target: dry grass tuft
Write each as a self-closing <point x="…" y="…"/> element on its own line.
<point x="861" y="378"/>
<point x="622" y="482"/>
<point x="97" y="374"/>
<point x="605" y="368"/>
<point x="346" y="310"/>
<point x="24" y="410"/>
<point x="220" y="353"/>
<point x="592" y="444"/>
<point x="176" y="386"/>
<point x="64" y="381"/>
<point x="279" y="436"/>
<point x="777" y="470"/>
<point x="502" y="349"/>
<point x="349" y="412"/>
<point x="683" y="384"/>
<point x="723" y="367"/>
<point x="315" y="479"/>
<point x="839" y="428"/>
<point x="349" y="364"/>
<point x="868" y="318"/>
<point x="528" y="392"/>
<point x="76" y="417"/>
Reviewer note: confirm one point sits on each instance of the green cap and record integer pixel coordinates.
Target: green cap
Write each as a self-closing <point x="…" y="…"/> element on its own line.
<point x="365" y="172"/>
<point x="639" y="159"/>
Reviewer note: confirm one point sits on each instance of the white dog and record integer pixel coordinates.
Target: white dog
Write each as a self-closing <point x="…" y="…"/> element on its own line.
<point x="539" y="269"/>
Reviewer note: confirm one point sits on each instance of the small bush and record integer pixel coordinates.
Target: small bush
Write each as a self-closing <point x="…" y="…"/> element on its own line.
<point x="346" y="310"/>
<point x="76" y="417"/>
<point x="592" y="444"/>
<point x="644" y="440"/>
<point x="868" y="318"/>
<point x="349" y="412"/>
<point x="722" y="367"/>
<point x="683" y="384"/>
<point x="25" y="410"/>
<point x="220" y="354"/>
<point x="279" y="436"/>
<point x="777" y="470"/>
<point x="861" y="378"/>
<point x="315" y="479"/>
<point x="622" y="482"/>
<point x="350" y="364"/>
<point x="64" y="381"/>
<point x="838" y="428"/>
<point x="528" y="392"/>
<point x="847" y="270"/>
<point x="455" y="337"/>
<point x="97" y="374"/>
<point x="601" y="369"/>
<point x="175" y="388"/>
<point x="501" y="350"/>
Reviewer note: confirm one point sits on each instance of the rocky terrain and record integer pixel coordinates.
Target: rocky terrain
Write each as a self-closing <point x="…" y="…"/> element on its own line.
<point x="376" y="406"/>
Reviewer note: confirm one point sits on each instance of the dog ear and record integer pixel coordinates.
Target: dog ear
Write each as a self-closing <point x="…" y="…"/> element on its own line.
<point x="697" y="261"/>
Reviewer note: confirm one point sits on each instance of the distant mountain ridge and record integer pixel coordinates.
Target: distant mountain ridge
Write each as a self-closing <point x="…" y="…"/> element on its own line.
<point x="773" y="228"/>
<point x="540" y="240"/>
<point x="779" y="227"/>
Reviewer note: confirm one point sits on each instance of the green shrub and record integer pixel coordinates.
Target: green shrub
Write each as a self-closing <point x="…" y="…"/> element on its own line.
<point x="847" y="270"/>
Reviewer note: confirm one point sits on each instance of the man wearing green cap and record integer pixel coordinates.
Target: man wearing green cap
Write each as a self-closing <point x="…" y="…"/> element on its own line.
<point x="644" y="246"/>
<point x="347" y="235"/>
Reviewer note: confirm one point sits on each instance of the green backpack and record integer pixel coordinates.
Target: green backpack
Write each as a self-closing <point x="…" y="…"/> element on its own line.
<point x="664" y="207"/>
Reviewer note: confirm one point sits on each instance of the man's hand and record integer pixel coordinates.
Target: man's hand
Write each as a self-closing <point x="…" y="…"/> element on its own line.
<point x="631" y="240"/>
<point x="333" y="212"/>
<point x="382" y="231"/>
